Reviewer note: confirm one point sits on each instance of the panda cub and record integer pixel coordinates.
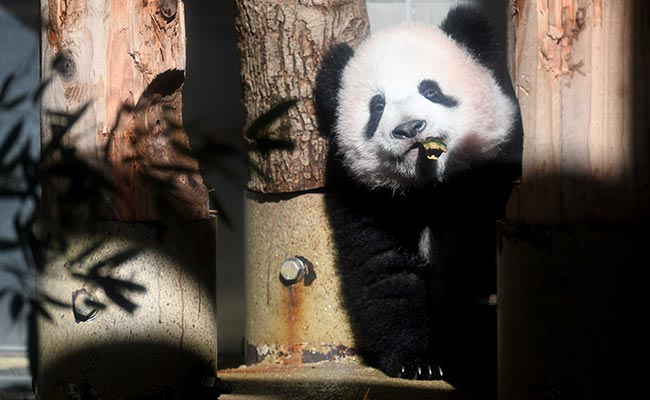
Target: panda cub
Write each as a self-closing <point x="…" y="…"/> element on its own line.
<point x="415" y="230"/>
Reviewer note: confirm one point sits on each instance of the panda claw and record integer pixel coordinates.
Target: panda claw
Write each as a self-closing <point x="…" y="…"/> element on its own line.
<point x="420" y="371"/>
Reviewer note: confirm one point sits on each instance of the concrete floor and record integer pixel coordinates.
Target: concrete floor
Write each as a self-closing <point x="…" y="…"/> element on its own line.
<point x="320" y="381"/>
<point x="330" y="381"/>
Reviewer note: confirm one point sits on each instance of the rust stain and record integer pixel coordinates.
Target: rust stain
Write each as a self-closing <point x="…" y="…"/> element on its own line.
<point x="328" y="353"/>
<point x="285" y="356"/>
<point x="293" y="302"/>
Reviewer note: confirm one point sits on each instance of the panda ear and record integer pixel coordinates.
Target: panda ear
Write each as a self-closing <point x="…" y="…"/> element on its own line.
<point x="328" y="84"/>
<point x="475" y="32"/>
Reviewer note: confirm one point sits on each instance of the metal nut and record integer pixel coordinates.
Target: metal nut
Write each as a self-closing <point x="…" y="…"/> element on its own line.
<point x="84" y="306"/>
<point x="292" y="270"/>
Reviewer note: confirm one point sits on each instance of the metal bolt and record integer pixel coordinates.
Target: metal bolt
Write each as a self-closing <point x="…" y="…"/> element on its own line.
<point x="292" y="270"/>
<point x="84" y="306"/>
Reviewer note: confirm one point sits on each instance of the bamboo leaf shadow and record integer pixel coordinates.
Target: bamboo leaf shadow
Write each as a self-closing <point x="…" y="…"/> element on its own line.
<point x="258" y="136"/>
<point x="5" y="103"/>
<point x="114" y="288"/>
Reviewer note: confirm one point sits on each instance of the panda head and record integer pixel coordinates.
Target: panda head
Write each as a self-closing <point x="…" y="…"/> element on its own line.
<point x="411" y="83"/>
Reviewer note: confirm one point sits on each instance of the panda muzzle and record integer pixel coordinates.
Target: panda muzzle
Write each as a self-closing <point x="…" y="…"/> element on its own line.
<point x="409" y="129"/>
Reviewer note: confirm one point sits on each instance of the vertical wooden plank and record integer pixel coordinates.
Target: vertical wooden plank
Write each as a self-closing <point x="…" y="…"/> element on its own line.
<point x="573" y="72"/>
<point x="640" y="85"/>
<point x="125" y="60"/>
<point x="122" y="62"/>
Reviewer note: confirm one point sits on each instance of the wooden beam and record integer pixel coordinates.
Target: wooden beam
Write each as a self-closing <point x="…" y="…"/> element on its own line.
<point x="579" y="72"/>
<point x="124" y="61"/>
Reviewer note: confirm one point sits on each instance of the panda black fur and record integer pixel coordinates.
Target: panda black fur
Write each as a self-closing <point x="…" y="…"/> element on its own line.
<point x="415" y="237"/>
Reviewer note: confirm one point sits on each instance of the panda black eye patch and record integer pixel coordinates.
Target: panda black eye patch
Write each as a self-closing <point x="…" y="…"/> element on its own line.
<point x="377" y="105"/>
<point x="431" y="91"/>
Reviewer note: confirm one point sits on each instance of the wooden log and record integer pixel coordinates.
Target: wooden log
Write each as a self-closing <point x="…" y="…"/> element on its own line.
<point x="281" y="43"/>
<point x="579" y="71"/>
<point x="125" y="60"/>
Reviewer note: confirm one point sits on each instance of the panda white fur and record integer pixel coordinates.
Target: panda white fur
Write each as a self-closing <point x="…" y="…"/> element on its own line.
<point x="416" y="237"/>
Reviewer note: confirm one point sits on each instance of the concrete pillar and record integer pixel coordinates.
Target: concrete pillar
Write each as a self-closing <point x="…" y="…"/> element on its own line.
<point x="155" y="328"/>
<point x="292" y="321"/>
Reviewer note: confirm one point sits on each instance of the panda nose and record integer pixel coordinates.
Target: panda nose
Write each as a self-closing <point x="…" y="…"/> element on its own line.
<point x="410" y="129"/>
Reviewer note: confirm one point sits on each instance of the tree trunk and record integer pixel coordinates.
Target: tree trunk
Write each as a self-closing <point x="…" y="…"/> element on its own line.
<point x="281" y="43"/>
<point x="126" y="61"/>
<point x="579" y="70"/>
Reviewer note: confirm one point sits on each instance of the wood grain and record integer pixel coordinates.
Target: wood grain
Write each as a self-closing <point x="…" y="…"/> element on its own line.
<point x="577" y="68"/>
<point x="125" y="60"/>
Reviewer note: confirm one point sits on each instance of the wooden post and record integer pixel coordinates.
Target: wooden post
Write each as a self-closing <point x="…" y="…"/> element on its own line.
<point x="578" y="69"/>
<point x="281" y="43"/>
<point x="119" y="67"/>
<point x="126" y="62"/>
<point x="576" y="234"/>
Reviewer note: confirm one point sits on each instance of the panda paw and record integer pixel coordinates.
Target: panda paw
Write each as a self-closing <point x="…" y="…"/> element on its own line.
<point x="423" y="369"/>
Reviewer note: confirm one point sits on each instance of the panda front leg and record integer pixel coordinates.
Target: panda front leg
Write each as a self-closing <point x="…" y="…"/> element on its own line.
<point x="390" y="309"/>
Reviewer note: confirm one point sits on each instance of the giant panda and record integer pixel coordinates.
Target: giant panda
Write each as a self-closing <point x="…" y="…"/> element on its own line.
<point x="416" y="232"/>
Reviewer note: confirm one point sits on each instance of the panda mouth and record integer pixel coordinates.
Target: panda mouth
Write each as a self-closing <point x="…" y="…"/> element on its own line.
<point x="433" y="147"/>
